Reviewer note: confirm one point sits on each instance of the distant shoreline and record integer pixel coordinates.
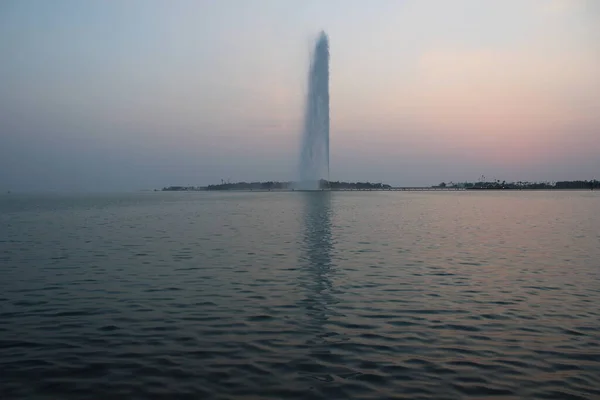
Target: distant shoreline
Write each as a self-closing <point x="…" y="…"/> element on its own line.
<point x="393" y="189"/>
<point x="482" y="184"/>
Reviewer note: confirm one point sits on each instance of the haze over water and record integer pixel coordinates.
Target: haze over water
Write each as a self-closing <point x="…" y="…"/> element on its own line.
<point x="318" y="295"/>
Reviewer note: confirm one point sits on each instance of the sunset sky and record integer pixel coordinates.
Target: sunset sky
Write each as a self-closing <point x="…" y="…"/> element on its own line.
<point x="113" y="95"/>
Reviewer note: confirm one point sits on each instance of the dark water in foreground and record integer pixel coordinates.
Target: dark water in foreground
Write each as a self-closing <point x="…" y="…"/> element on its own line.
<point x="300" y="295"/>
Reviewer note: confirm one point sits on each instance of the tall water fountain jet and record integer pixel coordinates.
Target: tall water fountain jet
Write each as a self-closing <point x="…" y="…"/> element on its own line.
<point x="314" y="159"/>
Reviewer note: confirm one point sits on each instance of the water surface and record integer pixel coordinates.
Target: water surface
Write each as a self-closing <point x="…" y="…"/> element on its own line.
<point x="300" y="295"/>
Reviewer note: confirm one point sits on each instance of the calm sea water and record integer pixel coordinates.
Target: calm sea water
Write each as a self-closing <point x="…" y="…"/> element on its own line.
<point x="300" y="295"/>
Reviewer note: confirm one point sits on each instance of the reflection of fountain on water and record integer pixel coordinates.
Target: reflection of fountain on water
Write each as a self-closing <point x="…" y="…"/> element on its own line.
<point x="317" y="257"/>
<point x="314" y="159"/>
<point x="319" y="360"/>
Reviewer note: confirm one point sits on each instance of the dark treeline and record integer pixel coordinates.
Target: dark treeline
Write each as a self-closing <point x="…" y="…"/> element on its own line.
<point x="270" y="185"/>
<point x="497" y="184"/>
<point x="182" y="188"/>
<point x="594" y="184"/>
<point x="355" y="185"/>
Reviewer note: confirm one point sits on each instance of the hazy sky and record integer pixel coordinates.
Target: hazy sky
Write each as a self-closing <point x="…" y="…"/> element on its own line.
<point x="109" y="95"/>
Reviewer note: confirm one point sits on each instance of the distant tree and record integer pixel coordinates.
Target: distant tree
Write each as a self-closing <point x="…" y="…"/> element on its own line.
<point x="442" y="185"/>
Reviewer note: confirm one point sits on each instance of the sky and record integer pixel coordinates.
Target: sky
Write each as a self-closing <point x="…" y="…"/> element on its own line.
<point x="140" y="94"/>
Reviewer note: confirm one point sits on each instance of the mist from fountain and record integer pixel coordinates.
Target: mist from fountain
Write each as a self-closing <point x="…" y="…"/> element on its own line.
<point x="314" y="157"/>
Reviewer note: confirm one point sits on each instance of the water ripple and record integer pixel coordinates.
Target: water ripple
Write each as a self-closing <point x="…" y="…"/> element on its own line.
<point x="300" y="295"/>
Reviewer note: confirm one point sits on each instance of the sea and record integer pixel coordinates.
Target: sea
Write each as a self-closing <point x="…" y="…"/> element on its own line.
<point x="300" y="295"/>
